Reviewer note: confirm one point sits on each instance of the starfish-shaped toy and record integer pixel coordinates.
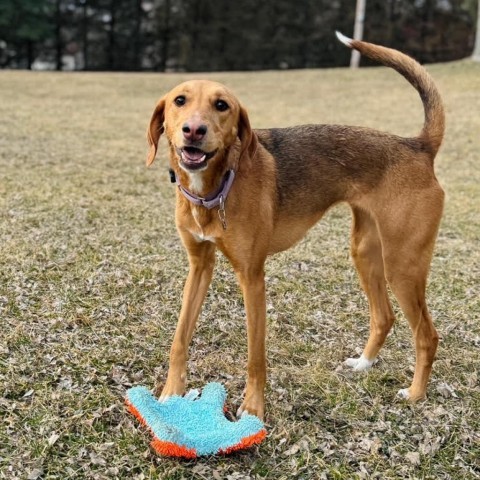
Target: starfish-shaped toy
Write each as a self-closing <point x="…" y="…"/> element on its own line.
<point x="194" y="425"/>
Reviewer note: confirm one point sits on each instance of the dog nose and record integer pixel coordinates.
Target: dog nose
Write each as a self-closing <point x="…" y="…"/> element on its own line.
<point x="194" y="132"/>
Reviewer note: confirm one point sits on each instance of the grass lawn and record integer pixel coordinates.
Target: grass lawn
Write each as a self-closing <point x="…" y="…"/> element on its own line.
<point x="91" y="273"/>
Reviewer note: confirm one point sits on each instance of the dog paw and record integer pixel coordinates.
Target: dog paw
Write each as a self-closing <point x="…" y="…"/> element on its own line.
<point x="252" y="405"/>
<point x="359" y="364"/>
<point x="171" y="387"/>
<point x="404" y="394"/>
<point x="411" y="395"/>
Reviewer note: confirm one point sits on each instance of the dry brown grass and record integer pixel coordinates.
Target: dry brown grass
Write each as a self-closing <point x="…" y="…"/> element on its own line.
<point x="91" y="273"/>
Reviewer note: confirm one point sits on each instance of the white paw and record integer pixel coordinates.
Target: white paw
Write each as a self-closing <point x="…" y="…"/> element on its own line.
<point x="359" y="364"/>
<point x="241" y="412"/>
<point x="404" y="394"/>
<point x="192" y="394"/>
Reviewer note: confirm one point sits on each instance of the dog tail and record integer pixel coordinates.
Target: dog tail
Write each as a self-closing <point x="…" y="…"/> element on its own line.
<point x="434" y="125"/>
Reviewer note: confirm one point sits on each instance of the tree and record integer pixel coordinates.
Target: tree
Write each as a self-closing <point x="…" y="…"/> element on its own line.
<point x="167" y="15"/>
<point x="137" y="35"/>
<point x="23" y="25"/>
<point x="198" y="35"/>
<point x="84" y="31"/>
<point x="58" y="34"/>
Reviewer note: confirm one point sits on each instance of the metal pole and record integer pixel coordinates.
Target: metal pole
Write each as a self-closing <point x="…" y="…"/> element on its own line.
<point x="358" y="31"/>
<point x="476" y="50"/>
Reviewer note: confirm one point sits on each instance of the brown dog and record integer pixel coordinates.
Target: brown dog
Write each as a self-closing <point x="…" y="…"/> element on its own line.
<point x="252" y="193"/>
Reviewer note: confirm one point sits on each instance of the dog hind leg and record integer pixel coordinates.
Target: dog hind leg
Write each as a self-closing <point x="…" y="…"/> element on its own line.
<point x="366" y="249"/>
<point x="408" y="239"/>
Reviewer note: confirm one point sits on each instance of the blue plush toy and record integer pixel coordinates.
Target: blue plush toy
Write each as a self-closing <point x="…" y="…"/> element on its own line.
<point x="193" y="425"/>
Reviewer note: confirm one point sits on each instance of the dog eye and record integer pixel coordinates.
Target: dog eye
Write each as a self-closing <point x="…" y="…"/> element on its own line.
<point x="221" y="105"/>
<point x="180" y="101"/>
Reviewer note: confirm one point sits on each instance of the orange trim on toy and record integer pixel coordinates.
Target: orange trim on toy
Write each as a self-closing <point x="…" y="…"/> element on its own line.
<point x="135" y="413"/>
<point x="162" y="447"/>
<point x="246" y="442"/>
<point x="171" y="449"/>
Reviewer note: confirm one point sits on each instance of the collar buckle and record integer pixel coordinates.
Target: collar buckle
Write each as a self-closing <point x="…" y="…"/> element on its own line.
<point x="221" y="212"/>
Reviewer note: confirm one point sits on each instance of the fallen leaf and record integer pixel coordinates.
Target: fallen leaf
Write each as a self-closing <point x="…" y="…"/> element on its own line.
<point x="97" y="459"/>
<point x="34" y="474"/>
<point x="446" y="391"/>
<point x="413" y="458"/>
<point x="292" y="450"/>
<point x="53" y="438"/>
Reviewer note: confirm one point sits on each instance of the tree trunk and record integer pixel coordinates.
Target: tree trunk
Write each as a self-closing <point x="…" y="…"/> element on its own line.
<point x="358" y="31"/>
<point x="85" y="35"/>
<point x="425" y="30"/>
<point x="137" y="37"/>
<point x="111" y="37"/>
<point x="58" y="36"/>
<point x="476" y="50"/>
<point x="30" y="54"/>
<point x="166" y="37"/>
<point x="194" y="35"/>
<point x="307" y="15"/>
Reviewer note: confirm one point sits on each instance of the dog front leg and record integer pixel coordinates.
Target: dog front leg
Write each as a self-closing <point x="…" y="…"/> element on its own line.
<point x="253" y="289"/>
<point x="202" y="260"/>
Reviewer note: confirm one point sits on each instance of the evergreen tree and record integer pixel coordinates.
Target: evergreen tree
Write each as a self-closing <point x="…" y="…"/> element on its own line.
<point x="24" y="25"/>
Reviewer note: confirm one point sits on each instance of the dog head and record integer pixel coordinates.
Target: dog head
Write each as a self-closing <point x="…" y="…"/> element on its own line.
<point x="201" y="120"/>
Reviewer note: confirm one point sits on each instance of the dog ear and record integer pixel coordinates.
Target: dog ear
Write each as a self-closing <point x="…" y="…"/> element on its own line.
<point x="155" y="130"/>
<point x="246" y="135"/>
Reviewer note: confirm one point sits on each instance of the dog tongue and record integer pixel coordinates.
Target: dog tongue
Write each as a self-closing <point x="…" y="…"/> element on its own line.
<point x="193" y="155"/>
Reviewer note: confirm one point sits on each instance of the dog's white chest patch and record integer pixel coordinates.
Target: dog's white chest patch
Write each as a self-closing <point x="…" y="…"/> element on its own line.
<point x="196" y="181"/>
<point x="200" y="237"/>
<point x="198" y="234"/>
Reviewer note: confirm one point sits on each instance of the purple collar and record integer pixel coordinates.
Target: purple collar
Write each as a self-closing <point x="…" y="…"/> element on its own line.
<point x="212" y="200"/>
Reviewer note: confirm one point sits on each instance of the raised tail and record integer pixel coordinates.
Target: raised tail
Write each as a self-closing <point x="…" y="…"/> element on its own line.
<point x="434" y="125"/>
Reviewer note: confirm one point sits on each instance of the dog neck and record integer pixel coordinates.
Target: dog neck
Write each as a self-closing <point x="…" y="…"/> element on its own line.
<point x="213" y="199"/>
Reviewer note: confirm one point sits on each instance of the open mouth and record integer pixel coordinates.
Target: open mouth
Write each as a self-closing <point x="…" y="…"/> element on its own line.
<point x="194" y="158"/>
